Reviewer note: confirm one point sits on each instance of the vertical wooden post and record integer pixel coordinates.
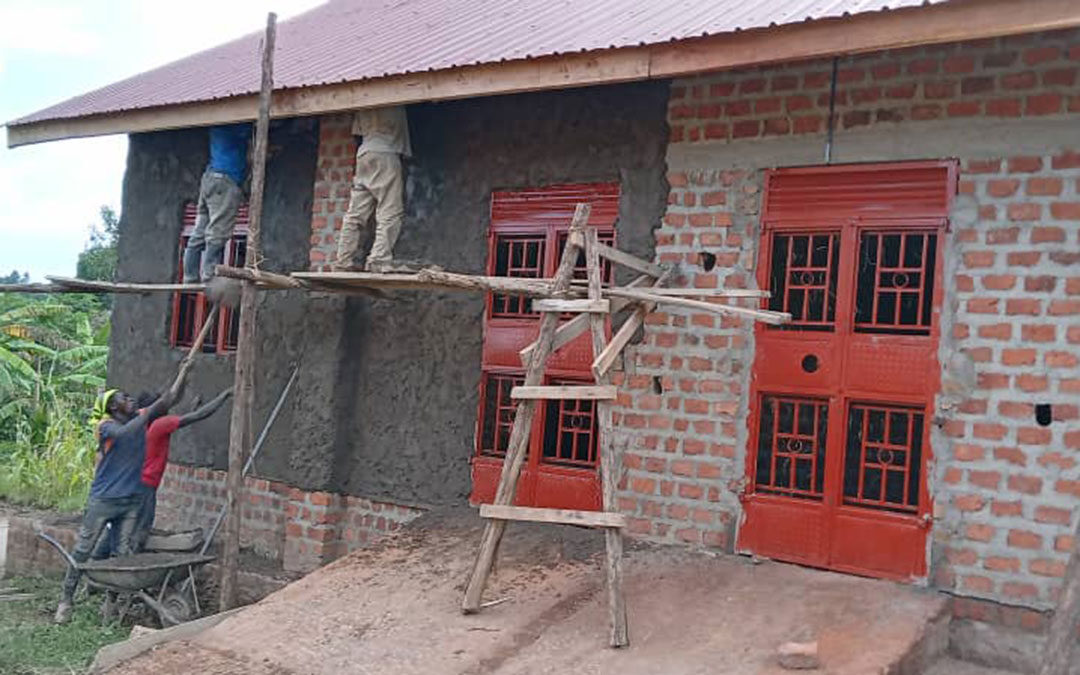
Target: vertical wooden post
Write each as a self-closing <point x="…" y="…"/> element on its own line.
<point x="609" y="459"/>
<point x="523" y="417"/>
<point x="244" y="379"/>
<point x="1061" y="641"/>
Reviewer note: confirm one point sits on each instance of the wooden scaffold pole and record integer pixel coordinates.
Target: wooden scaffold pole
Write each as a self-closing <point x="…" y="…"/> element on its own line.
<point x="240" y="435"/>
<point x="610" y="456"/>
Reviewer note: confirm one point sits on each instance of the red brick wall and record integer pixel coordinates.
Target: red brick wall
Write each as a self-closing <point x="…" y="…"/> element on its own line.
<point x="1005" y="488"/>
<point x="333" y="181"/>
<point x="1027" y="75"/>
<point x="1014" y="483"/>
<point x="681" y="401"/>
<point x="300" y="529"/>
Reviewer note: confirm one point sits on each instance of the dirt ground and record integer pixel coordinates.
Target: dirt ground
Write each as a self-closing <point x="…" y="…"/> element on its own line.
<point x="396" y="609"/>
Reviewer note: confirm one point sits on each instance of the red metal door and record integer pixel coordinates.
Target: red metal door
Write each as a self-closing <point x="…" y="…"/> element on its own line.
<point x="842" y="396"/>
<point x="526" y="239"/>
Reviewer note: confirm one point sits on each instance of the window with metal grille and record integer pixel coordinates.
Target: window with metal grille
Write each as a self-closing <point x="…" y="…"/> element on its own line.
<point x="895" y="289"/>
<point x="580" y="268"/>
<point x="517" y="256"/>
<point x="497" y="415"/>
<point x="883" y="457"/>
<point x="191" y="309"/>
<point x="570" y="431"/>
<point x="791" y="446"/>
<point x="803" y="272"/>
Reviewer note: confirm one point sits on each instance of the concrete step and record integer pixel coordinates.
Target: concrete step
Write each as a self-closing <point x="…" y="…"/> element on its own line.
<point x="951" y="666"/>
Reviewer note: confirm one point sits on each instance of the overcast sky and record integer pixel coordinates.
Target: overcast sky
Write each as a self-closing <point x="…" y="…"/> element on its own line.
<point x="51" y="50"/>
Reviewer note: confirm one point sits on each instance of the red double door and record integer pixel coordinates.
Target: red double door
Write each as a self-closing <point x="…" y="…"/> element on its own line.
<point x="842" y="397"/>
<point x="526" y="239"/>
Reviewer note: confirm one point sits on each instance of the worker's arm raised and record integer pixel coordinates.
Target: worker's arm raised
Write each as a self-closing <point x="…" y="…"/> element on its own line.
<point x="111" y="429"/>
<point x="207" y="410"/>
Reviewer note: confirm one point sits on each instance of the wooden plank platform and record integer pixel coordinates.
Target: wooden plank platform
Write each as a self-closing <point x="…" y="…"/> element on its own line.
<point x="562" y="516"/>
<point x="426" y="280"/>
<point x="581" y="393"/>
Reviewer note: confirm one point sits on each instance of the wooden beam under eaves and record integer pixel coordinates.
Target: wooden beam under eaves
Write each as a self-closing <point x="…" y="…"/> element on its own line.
<point x="954" y="21"/>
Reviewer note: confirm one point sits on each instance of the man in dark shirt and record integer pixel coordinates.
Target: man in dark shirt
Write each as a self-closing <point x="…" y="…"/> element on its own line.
<point x="116" y="491"/>
<point x="220" y="196"/>
<point x="158" y="436"/>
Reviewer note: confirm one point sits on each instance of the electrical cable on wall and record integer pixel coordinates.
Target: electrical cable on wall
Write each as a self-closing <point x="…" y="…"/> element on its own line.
<point x="832" y="108"/>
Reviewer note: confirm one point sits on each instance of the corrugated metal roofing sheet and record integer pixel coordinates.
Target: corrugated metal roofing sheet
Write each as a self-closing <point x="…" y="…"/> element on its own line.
<point x="350" y="40"/>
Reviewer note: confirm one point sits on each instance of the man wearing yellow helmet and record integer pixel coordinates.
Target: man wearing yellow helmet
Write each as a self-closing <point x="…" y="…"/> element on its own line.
<point x="116" y="492"/>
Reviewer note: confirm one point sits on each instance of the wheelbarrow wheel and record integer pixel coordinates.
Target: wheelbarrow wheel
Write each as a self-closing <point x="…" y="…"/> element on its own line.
<point x="178" y="608"/>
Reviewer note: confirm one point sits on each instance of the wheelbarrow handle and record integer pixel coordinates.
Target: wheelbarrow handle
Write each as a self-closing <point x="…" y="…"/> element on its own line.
<point x="60" y="548"/>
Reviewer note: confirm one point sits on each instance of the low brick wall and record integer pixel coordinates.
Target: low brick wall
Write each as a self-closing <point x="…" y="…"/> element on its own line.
<point x="24" y="552"/>
<point x="301" y="530"/>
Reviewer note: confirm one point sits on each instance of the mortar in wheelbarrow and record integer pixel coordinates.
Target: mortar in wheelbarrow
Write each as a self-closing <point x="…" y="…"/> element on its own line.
<point x="139" y="571"/>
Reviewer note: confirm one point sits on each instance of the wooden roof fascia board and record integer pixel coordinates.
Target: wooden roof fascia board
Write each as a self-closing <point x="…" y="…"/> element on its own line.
<point x="222" y="111"/>
<point x="954" y="21"/>
<point x="556" y="72"/>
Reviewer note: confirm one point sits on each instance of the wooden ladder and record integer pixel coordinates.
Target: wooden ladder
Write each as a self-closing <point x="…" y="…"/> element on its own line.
<point x="592" y="312"/>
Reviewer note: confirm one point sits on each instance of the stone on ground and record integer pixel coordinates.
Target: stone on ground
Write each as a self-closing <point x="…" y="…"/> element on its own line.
<point x="798" y="655"/>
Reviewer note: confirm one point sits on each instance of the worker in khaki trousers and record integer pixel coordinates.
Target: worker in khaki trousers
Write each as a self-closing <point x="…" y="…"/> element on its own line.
<point x="378" y="186"/>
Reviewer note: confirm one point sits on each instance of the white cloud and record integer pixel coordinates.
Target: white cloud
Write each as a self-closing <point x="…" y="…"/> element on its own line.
<point x="52" y="28"/>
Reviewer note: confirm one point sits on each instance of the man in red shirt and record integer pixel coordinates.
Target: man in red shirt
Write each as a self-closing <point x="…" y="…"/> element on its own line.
<point x="158" y="436"/>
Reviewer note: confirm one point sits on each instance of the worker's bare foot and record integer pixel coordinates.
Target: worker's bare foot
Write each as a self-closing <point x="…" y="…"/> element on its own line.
<point x="63" y="612"/>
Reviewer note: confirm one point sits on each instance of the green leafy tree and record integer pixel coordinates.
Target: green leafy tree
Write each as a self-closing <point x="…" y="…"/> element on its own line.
<point x="16" y="277"/>
<point x="53" y="354"/>
<point x="97" y="262"/>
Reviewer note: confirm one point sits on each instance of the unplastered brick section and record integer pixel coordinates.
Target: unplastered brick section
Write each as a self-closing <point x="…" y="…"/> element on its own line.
<point x="301" y="529"/>
<point x="1011" y="481"/>
<point x="1032" y="75"/>
<point x="333" y="181"/>
<point x="682" y="395"/>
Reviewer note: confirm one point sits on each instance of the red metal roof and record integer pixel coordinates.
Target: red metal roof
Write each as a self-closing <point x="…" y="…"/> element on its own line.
<point x="350" y="40"/>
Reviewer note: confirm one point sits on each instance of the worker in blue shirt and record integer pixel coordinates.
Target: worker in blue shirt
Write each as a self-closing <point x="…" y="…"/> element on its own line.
<point x="220" y="196"/>
<point x="116" y="492"/>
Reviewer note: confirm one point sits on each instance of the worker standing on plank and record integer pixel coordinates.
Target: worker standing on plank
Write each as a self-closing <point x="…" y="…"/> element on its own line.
<point x="116" y="491"/>
<point x="220" y="195"/>
<point x="158" y="436"/>
<point x="378" y="186"/>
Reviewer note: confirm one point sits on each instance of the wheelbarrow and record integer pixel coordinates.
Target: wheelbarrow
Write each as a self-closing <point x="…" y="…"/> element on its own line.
<point x="149" y="577"/>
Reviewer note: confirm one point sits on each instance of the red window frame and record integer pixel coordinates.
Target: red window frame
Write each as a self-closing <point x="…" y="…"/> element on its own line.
<point x="189" y="310"/>
<point x="518" y="310"/>
<point x="560" y="467"/>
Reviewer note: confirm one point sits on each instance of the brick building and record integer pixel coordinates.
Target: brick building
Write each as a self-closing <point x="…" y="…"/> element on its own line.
<point x="906" y="184"/>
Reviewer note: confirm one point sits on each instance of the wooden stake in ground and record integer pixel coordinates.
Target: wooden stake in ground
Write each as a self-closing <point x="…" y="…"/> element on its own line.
<point x="1061" y="641"/>
<point x="244" y="379"/>
<point x="523" y="418"/>
<point x="609" y="458"/>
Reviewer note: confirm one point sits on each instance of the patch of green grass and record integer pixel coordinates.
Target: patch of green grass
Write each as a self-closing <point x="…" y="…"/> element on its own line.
<point x="30" y="644"/>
